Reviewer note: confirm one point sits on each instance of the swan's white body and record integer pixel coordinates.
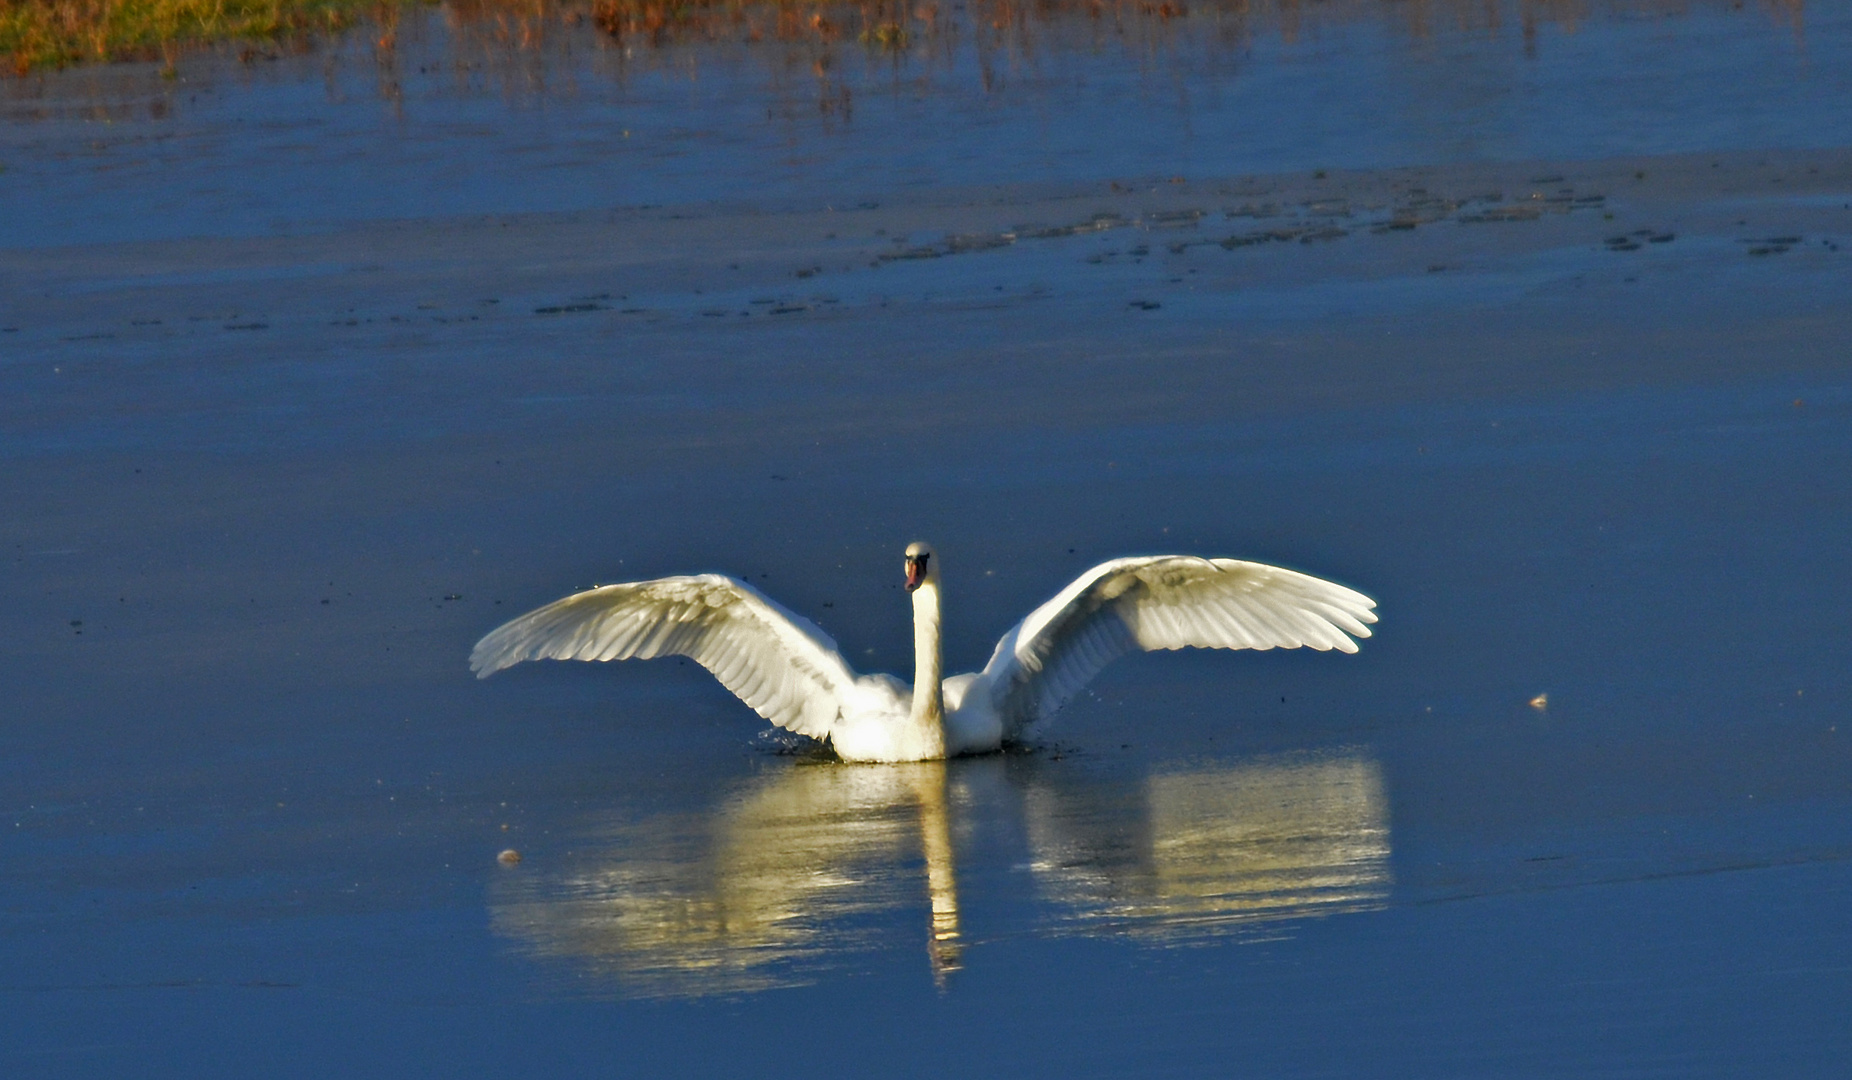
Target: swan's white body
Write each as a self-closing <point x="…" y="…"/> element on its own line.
<point x="792" y="674"/>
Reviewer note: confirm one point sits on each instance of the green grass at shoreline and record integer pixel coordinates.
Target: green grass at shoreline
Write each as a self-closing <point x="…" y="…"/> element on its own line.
<point x="38" y="34"/>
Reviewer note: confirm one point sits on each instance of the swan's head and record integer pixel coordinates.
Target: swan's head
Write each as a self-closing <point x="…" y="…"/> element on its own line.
<point x="920" y="567"/>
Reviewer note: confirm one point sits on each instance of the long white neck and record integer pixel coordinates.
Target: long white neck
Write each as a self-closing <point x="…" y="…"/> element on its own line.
<point x="928" y="668"/>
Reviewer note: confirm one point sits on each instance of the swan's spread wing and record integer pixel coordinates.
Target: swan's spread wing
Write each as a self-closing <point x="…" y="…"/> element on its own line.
<point x="779" y="663"/>
<point x="1162" y="602"/>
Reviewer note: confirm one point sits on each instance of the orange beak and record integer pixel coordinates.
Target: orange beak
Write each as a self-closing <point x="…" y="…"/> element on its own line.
<point x="916" y="573"/>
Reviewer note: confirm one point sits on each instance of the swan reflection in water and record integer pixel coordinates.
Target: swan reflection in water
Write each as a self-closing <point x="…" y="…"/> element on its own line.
<point x="1199" y="851"/>
<point x="810" y="866"/>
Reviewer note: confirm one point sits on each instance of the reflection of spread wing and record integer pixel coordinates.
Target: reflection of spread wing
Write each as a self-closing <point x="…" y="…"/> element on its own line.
<point x="779" y="663"/>
<point x="1204" y="851"/>
<point x="769" y="887"/>
<point x="1162" y="602"/>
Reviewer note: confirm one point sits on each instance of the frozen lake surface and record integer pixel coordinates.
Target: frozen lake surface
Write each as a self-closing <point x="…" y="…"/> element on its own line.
<point x="314" y="370"/>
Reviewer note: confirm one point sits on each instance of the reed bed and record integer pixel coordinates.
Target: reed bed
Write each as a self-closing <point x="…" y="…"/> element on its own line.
<point x="41" y="34"/>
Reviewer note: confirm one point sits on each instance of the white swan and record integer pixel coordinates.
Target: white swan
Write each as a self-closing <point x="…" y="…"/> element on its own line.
<point x="791" y="673"/>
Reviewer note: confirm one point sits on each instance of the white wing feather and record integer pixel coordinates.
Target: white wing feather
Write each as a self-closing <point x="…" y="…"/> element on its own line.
<point x="779" y="663"/>
<point x="1161" y="602"/>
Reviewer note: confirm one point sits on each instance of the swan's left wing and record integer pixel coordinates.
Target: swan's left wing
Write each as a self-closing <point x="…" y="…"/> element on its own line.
<point x="778" y="662"/>
<point x="1161" y="602"/>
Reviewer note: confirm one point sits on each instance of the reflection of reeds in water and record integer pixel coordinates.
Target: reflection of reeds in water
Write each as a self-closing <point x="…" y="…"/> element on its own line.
<point x="53" y="33"/>
<point x="830" y="51"/>
<point x="895" y="25"/>
<point x="816" y="863"/>
<point x="1203" y="851"/>
<point x="530" y="45"/>
<point x="760" y="894"/>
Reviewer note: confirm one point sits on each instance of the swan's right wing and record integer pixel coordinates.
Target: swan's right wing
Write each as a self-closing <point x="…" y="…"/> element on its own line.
<point x="1161" y="602"/>
<point x="779" y="663"/>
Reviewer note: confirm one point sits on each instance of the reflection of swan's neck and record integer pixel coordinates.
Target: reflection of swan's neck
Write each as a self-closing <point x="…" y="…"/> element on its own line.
<point x="944" y="950"/>
<point x="928" y="668"/>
